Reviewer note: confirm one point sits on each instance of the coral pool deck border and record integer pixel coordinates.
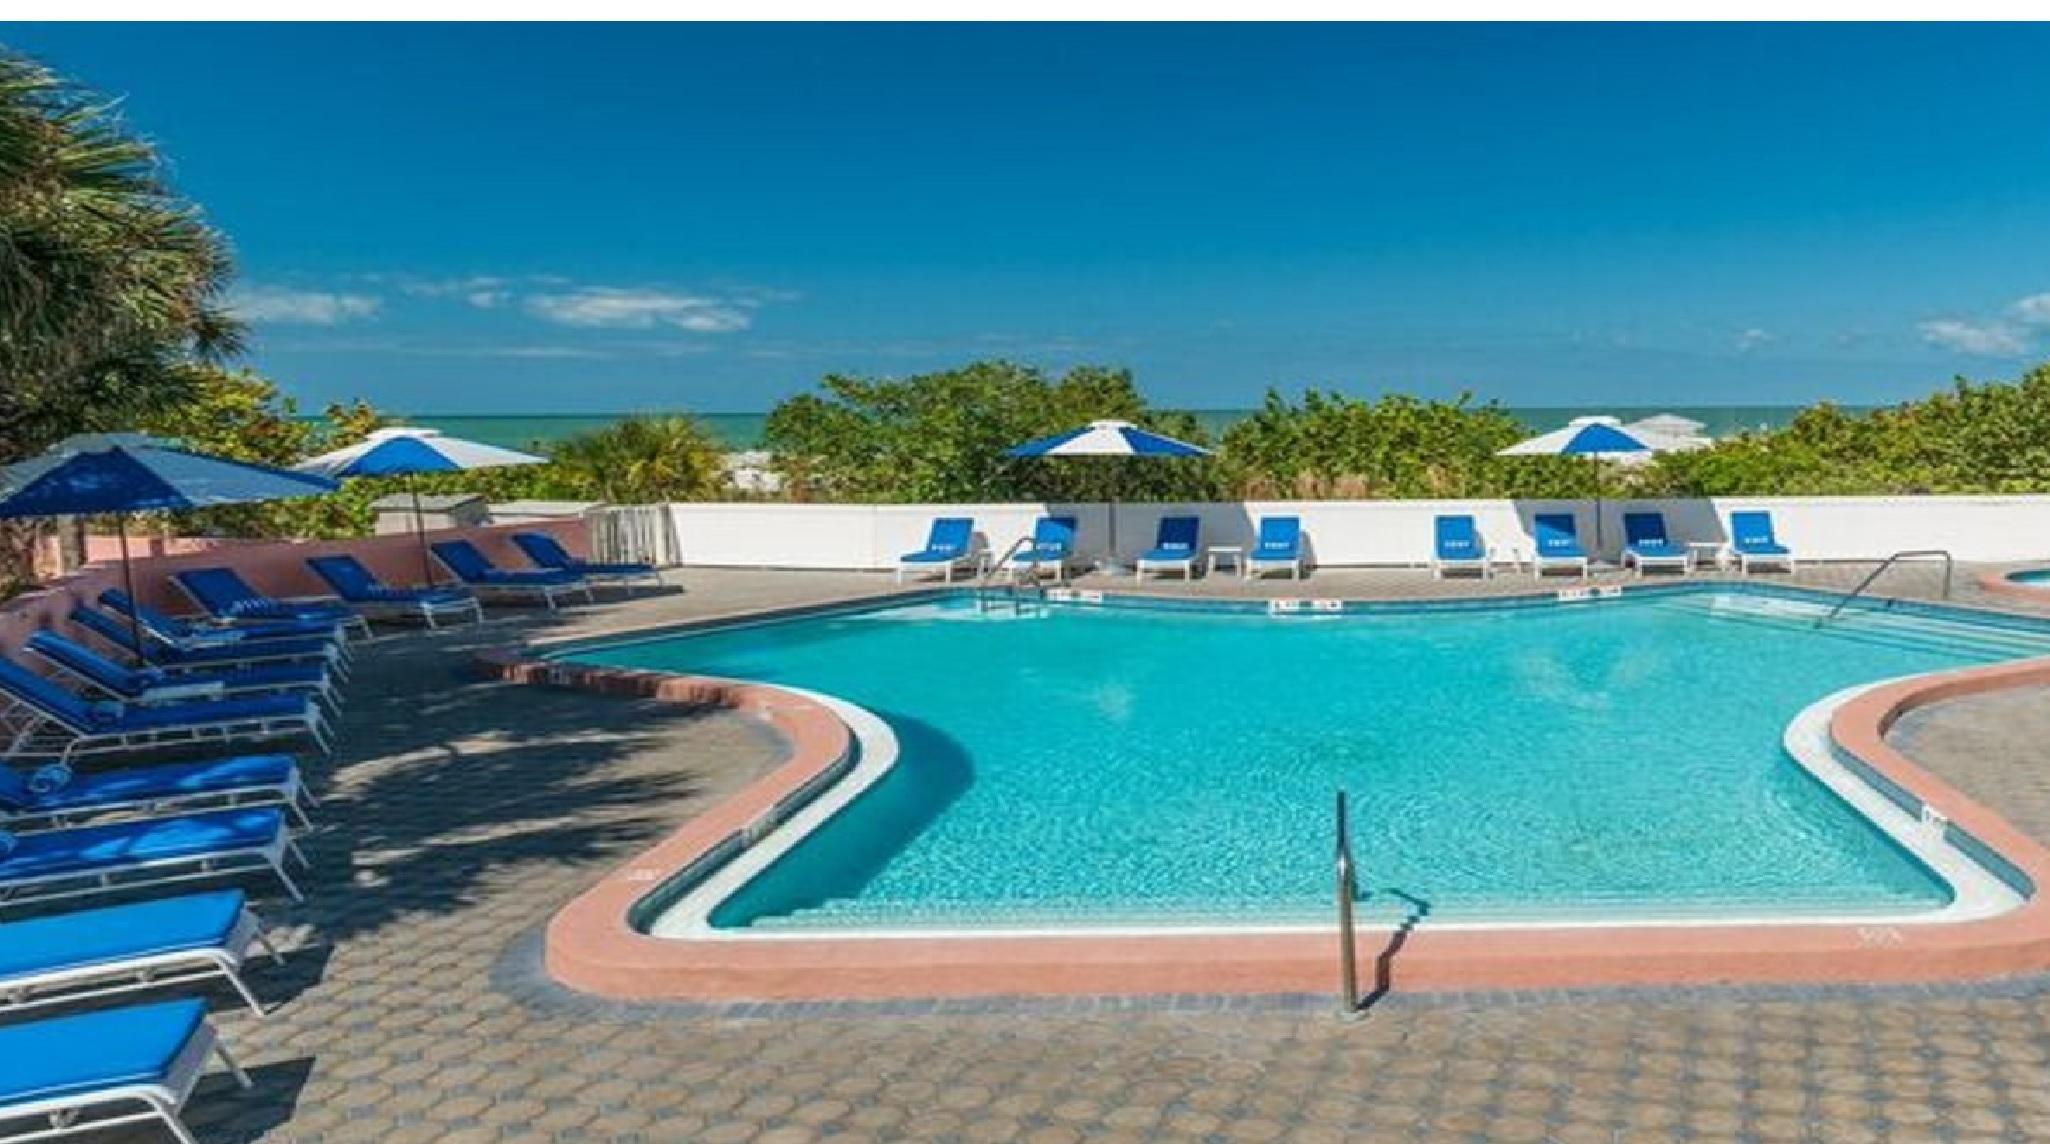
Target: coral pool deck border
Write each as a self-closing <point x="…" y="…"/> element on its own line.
<point x="595" y="945"/>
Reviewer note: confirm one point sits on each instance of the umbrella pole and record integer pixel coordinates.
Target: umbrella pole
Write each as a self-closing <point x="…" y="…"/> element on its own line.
<point x="420" y="531"/>
<point x="1597" y="461"/>
<point x="128" y="585"/>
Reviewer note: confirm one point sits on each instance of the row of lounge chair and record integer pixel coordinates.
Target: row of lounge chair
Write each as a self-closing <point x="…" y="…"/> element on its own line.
<point x="951" y="547"/>
<point x="1278" y="546"/>
<point x="137" y="824"/>
<point x="1753" y="544"/>
<point x="84" y="812"/>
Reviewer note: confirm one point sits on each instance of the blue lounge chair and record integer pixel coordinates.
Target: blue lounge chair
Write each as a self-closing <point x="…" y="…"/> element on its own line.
<point x="1557" y="544"/>
<point x="547" y="552"/>
<point x="1277" y="545"/>
<point x="1646" y="545"/>
<point x="1457" y="547"/>
<point x="40" y="719"/>
<point x="363" y="591"/>
<point x="223" y="594"/>
<point x="210" y="654"/>
<point x="104" y="857"/>
<point x="119" y="949"/>
<point x="155" y="685"/>
<point x="1052" y="547"/>
<point x="1174" y="548"/>
<point x="950" y="545"/>
<point x="1753" y="542"/>
<point x="87" y="1071"/>
<point x="168" y="629"/>
<point x="473" y="568"/>
<point x="52" y="795"/>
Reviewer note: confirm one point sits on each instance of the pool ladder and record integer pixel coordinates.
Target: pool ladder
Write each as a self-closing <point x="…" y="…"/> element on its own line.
<point x="1949" y="568"/>
<point x="1014" y="591"/>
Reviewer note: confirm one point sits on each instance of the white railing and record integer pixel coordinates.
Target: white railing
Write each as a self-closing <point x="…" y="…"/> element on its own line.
<point x="637" y="533"/>
<point x="1360" y="533"/>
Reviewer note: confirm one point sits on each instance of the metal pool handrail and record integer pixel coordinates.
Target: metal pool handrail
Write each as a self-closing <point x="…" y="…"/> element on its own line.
<point x="1949" y="568"/>
<point x="982" y="582"/>
<point x="1348" y="939"/>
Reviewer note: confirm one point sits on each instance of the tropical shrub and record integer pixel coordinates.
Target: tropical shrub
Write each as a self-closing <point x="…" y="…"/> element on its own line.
<point x="941" y="437"/>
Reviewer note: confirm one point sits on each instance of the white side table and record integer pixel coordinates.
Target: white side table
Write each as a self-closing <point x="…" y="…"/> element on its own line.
<point x="1713" y="552"/>
<point x="1222" y="555"/>
<point x="1510" y="554"/>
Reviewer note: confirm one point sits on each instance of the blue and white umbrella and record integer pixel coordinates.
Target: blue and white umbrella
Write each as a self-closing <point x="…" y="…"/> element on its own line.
<point x="1107" y="439"/>
<point x="402" y="451"/>
<point x="113" y="474"/>
<point x="1598" y="439"/>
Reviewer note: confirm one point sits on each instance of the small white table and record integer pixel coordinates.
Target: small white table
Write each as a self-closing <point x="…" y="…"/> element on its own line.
<point x="1227" y="554"/>
<point x="1509" y="554"/>
<point x="1713" y="552"/>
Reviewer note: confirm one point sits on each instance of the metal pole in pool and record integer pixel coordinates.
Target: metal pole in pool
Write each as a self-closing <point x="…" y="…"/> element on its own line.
<point x="1348" y="952"/>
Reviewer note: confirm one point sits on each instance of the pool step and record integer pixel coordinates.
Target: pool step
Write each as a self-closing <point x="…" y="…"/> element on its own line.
<point x="1912" y="630"/>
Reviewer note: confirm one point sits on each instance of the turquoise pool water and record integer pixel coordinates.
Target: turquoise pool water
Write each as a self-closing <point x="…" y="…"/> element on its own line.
<point x="1111" y="765"/>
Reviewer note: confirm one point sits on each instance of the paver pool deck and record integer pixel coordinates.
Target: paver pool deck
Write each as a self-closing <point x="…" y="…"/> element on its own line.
<point x="460" y="815"/>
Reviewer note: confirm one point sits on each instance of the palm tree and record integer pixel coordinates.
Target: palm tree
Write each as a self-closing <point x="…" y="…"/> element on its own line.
<point x="642" y="460"/>
<point x="110" y="284"/>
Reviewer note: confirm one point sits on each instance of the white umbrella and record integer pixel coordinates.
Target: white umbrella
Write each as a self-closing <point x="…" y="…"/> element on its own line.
<point x="1598" y="439"/>
<point x="1107" y="439"/>
<point x="403" y="451"/>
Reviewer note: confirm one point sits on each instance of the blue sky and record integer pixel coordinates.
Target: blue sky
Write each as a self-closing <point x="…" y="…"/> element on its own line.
<point x="558" y="219"/>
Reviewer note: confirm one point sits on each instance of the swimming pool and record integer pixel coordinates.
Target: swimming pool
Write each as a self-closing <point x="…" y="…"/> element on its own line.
<point x="1078" y="766"/>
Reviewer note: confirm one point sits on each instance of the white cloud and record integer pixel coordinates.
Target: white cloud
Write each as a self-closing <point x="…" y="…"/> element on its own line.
<point x="279" y="305"/>
<point x="2032" y="311"/>
<point x="1984" y="339"/>
<point x="642" y="309"/>
<point x="1751" y="339"/>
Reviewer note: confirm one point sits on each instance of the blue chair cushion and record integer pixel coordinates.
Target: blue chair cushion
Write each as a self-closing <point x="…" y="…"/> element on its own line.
<point x="210" y="711"/>
<point x="161" y="780"/>
<point x="121" y="844"/>
<point x="84" y="1053"/>
<point x="85" y="938"/>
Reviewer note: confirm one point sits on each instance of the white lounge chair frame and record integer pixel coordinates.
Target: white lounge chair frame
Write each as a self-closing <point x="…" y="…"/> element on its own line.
<point x="269" y="856"/>
<point x="968" y="561"/>
<point x="35" y="734"/>
<point x="1769" y="559"/>
<point x="155" y="971"/>
<point x="1257" y="566"/>
<point x="1682" y="561"/>
<point x="1482" y="564"/>
<point x="1162" y="566"/>
<point x="161" y="1102"/>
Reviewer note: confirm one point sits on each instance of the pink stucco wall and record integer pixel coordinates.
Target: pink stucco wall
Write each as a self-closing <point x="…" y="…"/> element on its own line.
<point x="277" y="568"/>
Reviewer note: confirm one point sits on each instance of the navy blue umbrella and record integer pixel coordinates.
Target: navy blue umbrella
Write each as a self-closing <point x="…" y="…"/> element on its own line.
<point x="114" y="474"/>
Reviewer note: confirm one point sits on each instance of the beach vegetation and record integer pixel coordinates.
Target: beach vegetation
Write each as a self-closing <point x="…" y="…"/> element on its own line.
<point x="941" y="437"/>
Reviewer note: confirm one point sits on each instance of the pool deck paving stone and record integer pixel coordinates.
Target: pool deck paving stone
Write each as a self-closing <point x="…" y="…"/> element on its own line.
<point x="458" y="815"/>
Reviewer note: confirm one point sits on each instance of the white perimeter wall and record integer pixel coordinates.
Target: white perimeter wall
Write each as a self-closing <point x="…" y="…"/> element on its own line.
<point x="1364" y="532"/>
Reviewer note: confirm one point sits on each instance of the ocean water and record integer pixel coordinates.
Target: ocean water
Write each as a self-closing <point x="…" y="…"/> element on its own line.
<point x="744" y="430"/>
<point x="1113" y="765"/>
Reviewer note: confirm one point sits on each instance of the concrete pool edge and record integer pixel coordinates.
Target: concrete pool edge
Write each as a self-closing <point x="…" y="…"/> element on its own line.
<point x="594" y="945"/>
